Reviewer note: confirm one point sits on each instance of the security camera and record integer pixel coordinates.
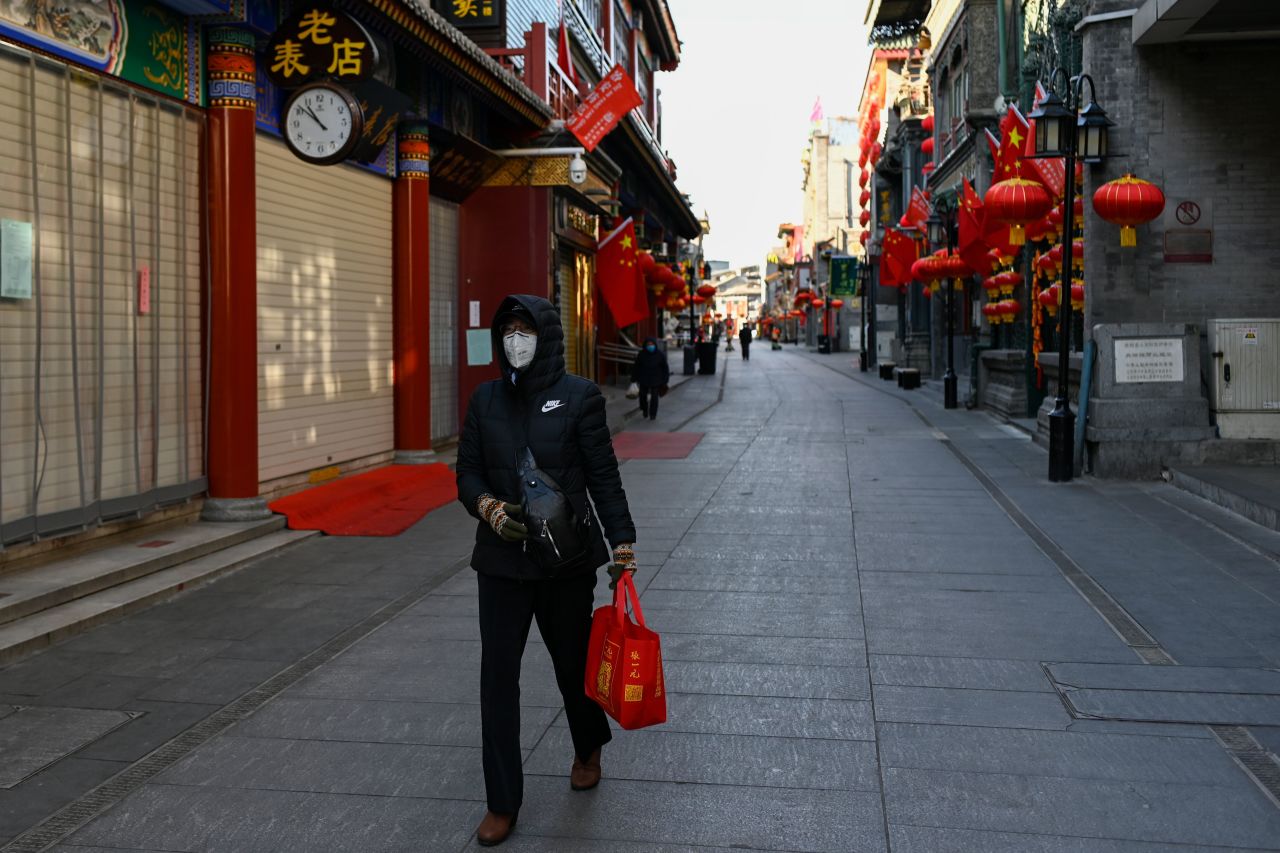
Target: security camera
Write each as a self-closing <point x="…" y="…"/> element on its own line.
<point x="578" y="169"/>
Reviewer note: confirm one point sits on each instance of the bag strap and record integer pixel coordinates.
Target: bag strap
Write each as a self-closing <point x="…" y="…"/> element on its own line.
<point x="625" y="593"/>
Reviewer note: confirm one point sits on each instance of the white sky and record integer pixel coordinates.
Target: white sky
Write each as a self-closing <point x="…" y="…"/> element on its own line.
<point x="736" y="111"/>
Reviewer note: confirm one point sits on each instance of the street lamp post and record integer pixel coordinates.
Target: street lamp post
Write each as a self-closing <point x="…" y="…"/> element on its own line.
<point x="942" y="230"/>
<point x="1065" y="130"/>
<point x="864" y="275"/>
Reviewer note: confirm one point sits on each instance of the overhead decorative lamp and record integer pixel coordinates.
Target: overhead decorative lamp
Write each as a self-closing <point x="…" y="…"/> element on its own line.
<point x="1091" y="130"/>
<point x="1054" y="123"/>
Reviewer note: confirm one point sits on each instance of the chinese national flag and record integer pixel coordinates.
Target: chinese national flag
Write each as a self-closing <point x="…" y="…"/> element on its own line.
<point x="973" y="249"/>
<point x="896" y="258"/>
<point x="1014" y="131"/>
<point x="619" y="276"/>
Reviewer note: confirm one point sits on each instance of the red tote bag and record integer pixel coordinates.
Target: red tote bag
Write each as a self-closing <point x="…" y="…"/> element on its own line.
<point x="624" y="662"/>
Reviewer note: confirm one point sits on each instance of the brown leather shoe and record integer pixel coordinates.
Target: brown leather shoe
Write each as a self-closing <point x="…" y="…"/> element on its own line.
<point x="585" y="775"/>
<point x="495" y="828"/>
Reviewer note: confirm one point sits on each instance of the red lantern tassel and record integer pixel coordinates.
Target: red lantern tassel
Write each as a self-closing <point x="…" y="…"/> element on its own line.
<point x="1128" y="235"/>
<point x="1017" y="235"/>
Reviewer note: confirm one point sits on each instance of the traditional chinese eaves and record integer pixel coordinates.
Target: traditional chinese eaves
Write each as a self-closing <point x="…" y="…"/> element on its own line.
<point x="442" y="39"/>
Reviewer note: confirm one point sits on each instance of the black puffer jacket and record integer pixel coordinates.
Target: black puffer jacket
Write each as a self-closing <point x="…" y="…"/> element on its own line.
<point x="651" y="369"/>
<point x="564" y="425"/>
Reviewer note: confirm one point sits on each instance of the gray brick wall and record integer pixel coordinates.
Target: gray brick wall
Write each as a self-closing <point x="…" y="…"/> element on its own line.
<point x="1188" y="118"/>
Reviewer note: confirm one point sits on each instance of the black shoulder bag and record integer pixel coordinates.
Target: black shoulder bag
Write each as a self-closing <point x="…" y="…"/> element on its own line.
<point x="559" y="538"/>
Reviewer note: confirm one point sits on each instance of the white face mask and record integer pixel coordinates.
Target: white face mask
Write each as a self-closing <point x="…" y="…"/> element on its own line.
<point x="519" y="347"/>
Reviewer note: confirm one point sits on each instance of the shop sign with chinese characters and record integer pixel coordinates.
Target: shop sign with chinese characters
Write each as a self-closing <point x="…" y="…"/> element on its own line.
<point x="1149" y="360"/>
<point x="318" y="42"/>
<point x="473" y="14"/>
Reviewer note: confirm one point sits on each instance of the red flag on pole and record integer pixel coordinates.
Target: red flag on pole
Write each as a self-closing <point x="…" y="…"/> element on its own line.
<point x="896" y="258"/>
<point x="973" y="249"/>
<point x="564" y="59"/>
<point x="603" y="107"/>
<point x="618" y="273"/>
<point x="1014" y="131"/>
<point x="918" y="209"/>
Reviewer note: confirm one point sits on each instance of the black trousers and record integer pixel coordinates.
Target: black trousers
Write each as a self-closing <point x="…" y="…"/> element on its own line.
<point x="746" y="350"/>
<point x="563" y="610"/>
<point x="649" y="401"/>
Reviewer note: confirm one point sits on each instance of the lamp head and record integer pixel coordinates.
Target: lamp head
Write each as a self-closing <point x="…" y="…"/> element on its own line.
<point x="1053" y="126"/>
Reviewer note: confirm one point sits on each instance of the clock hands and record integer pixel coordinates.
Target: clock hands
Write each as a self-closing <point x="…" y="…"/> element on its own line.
<point x="315" y="118"/>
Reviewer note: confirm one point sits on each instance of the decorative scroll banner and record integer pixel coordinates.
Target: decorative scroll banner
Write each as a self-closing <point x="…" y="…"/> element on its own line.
<point x="603" y="108"/>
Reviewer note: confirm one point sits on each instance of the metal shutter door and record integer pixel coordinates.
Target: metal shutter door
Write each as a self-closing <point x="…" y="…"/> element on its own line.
<point x="444" y="326"/>
<point x="100" y="406"/>
<point x="324" y="314"/>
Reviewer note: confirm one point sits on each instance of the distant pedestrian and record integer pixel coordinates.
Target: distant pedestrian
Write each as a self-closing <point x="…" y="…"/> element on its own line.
<point x="652" y="374"/>
<point x="744" y="338"/>
<point x="560" y="419"/>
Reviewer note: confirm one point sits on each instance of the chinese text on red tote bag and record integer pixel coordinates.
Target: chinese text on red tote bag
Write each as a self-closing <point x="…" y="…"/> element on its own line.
<point x="624" y="662"/>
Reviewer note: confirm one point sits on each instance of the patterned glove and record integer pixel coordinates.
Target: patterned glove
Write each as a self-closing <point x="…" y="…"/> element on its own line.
<point x="624" y="560"/>
<point x="502" y="518"/>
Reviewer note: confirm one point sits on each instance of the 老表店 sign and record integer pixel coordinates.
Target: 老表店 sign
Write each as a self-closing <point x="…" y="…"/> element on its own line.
<point x="473" y="14"/>
<point x="1149" y="360"/>
<point x="318" y="42"/>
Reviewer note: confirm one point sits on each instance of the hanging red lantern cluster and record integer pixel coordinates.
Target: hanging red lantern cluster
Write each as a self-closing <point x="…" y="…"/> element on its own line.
<point x="1077" y="295"/>
<point x="1004" y="311"/>
<point x="1007" y="281"/>
<point x="1017" y="201"/>
<point x="1049" y="300"/>
<point x="1128" y="201"/>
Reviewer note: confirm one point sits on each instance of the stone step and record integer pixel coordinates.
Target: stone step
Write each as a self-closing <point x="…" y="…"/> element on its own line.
<point x="29" y="591"/>
<point x="1250" y="491"/>
<point x="38" y="630"/>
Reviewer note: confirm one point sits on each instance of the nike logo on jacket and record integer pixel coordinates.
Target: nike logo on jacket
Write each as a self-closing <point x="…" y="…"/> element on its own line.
<point x="551" y="404"/>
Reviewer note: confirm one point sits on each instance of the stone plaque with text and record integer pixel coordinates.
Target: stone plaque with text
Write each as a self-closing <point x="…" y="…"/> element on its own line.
<point x="1149" y="360"/>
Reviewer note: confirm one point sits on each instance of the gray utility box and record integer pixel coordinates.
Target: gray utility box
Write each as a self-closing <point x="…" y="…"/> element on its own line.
<point x="1246" y="377"/>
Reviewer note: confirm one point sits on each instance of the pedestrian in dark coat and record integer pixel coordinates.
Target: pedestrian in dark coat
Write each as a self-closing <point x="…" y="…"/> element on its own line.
<point x="652" y="374"/>
<point x="744" y="338"/>
<point x="560" y="418"/>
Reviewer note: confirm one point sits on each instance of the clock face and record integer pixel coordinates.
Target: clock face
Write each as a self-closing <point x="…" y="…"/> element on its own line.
<point x="322" y="124"/>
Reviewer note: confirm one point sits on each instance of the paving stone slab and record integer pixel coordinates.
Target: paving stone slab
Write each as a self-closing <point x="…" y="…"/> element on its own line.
<point x="57" y="785"/>
<point x="1177" y="679"/>
<point x="153" y="724"/>
<point x="778" y="716"/>
<point x="776" y="650"/>
<point x="929" y="839"/>
<point x="219" y="820"/>
<point x="710" y="815"/>
<point x="1040" y="646"/>
<point x="655" y="755"/>
<point x="32" y="738"/>
<point x="369" y="721"/>
<point x="953" y="707"/>
<point x="958" y="672"/>
<point x="840" y="581"/>
<point x="751" y="603"/>
<point x="450" y="684"/>
<point x="215" y="681"/>
<point x="806" y="682"/>
<point x="1068" y="754"/>
<point x="964" y="581"/>
<point x="333" y="767"/>
<point x="764" y="624"/>
<point x="1162" y="706"/>
<point x="1152" y="812"/>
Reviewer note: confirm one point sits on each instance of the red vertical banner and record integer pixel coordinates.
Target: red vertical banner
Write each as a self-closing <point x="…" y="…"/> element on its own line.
<point x="603" y="107"/>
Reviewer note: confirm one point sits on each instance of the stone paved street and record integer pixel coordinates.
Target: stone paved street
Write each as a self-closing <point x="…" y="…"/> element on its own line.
<point x="875" y="615"/>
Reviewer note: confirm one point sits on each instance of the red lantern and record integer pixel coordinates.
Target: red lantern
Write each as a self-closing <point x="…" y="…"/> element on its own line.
<point x="817" y="304"/>
<point x="1128" y="201"/>
<point x="1077" y="254"/>
<point x="864" y="218"/>
<point x="1077" y="210"/>
<point x="989" y="311"/>
<point x="1017" y="201"/>
<point x="1077" y="295"/>
<point x="646" y="262"/>
<point x="928" y="291"/>
<point x="991" y="286"/>
<point x="957" y="267"/>
<point x="928" y="168"/>
<point x="863" y="178"/>
<point x="1007" y="281"/>
<point x="837" y="304"/>
<point x="876" y="150"/>
<point x="1055" y="218"/>
<point x="927" y="124"/>
<point x="1046" y="266"/>
<point x="862" y="238"/>
<point x="1038" y="230"/>
<point x="862" y="158"/>
<point x="1049" y="301"/>
<point x="926" y="147"/>
<point x="699" y="299"/>
<point x="1009" y="309"/>
<point x="707" y="291"/>
<point x="804" y="296"/>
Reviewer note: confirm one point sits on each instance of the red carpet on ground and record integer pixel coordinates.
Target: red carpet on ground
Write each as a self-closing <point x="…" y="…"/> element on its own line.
<point x="655" y="445"/>
<point x="382" y="502"/>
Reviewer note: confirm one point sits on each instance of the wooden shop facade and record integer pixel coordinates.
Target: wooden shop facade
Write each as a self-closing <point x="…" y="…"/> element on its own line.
<point x="197" y="303"/>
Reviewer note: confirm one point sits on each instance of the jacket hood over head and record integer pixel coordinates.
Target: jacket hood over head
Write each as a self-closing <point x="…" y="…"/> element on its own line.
<point x="547" y="366"/>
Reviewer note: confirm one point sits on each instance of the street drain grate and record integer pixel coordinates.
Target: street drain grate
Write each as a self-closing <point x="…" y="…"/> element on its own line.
<point x="1260" y="765"/>
<point x="87" y="807"/>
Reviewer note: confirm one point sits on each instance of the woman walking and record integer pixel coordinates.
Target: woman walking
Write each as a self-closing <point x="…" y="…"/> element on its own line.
<point x="560" y="419"/>
<point x="651" y="373"/>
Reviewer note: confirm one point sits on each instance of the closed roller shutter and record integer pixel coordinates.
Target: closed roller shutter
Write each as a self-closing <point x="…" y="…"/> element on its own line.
<point x="444" y="326"/>
<point x="100" y="396"/>
<point x="324" y="314"/>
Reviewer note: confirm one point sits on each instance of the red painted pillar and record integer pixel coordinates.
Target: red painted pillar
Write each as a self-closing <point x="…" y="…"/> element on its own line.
<point x="232" y="322"/>
<point x="411" y="293"/>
